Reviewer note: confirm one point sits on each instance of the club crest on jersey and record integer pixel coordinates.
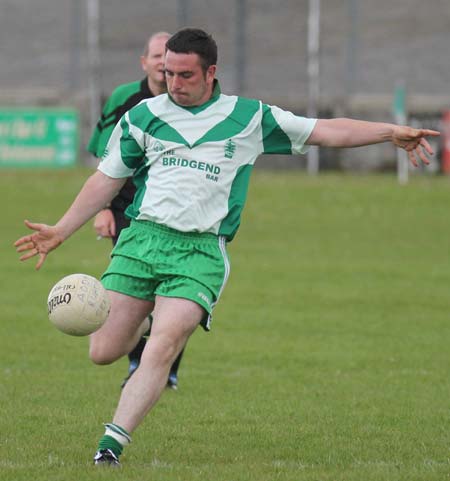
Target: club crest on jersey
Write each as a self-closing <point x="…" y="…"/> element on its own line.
<point x="157" y="146"/>
<point x="230" y="148"/>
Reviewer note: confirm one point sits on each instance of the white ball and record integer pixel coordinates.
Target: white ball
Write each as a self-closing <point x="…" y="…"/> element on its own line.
<point x="78" y="304"/>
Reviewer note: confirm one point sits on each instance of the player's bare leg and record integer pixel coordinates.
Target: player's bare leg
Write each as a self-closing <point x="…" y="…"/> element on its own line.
<point x="174" y="320"/>
<point x="126" y="323"/>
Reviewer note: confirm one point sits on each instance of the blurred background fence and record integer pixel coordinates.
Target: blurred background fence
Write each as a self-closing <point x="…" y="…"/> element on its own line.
<point x="65" y="53"/>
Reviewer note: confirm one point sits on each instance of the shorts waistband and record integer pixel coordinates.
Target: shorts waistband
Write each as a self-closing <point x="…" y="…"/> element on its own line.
<point x="168" y="231"/>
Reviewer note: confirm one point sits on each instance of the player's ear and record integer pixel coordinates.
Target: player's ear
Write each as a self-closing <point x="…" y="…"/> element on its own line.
<point x="211" y="73"/>
<point x="144" y="63"/>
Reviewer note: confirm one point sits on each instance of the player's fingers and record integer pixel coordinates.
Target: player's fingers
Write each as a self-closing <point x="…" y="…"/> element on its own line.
<point x="41" y="260"/>
<point x="426" y="144"/>
<point x="432" y="133"/>
<point x="33" y="225"/>
<point x="101" y="229"/>
<point x="25" y="247"/>
<point x="29" y="254"/>
<point x="412" y="157"/>
<point x="22" y="240"/>
<point x="422" y="155"/>
<point x="104" y="232"/>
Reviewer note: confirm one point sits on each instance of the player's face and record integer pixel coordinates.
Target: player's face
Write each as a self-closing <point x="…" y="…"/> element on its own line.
<point x="153" y="62"/>
<point x="187" y="84"/>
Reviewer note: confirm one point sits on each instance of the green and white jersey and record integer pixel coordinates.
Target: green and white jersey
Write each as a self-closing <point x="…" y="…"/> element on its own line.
<point x="192" y="165"/>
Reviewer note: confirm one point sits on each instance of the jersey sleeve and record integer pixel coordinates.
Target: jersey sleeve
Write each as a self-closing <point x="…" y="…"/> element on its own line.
<point x="125" y="150"/>
<point x="283" y="132"/>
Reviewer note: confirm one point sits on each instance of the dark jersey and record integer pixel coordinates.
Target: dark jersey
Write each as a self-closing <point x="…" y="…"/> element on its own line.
<point x="123" y="98"/>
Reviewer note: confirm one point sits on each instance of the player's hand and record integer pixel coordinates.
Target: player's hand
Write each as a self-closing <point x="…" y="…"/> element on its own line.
<point x="45" y="239"/>
<point x="104" y="224"/>
<point x="414" y="142"/>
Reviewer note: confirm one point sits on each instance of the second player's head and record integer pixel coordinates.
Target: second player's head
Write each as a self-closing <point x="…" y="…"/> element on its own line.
<point x="152" y="59"/>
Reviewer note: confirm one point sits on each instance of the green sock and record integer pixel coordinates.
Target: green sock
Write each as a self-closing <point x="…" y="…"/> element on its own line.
<point x="107" y="442"/>
<point x="115" y="438"/>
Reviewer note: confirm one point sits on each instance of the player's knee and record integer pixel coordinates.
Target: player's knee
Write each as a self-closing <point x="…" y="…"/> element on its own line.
<point x="162" y="350"/>
<point x="101" y="354"/>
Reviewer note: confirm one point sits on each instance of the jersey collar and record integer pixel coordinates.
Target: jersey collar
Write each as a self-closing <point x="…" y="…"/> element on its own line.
<point x="199" y="108"/>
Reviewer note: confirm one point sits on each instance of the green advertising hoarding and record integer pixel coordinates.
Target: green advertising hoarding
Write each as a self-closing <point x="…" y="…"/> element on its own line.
<point x="38" y="137"/>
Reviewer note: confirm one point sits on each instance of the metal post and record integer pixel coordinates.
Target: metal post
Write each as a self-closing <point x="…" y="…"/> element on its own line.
<point x="400" y="119"/>
<point x="183" y="13"/>
<point x="351" y="83"/>
<point x="93" y="42"/>
<point x="74" y="68"/>
<point x="240" y="47"/>
<point x="313" y="76"/>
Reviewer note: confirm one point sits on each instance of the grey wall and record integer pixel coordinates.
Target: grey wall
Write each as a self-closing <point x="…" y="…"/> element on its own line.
<point x="367" y="47"/>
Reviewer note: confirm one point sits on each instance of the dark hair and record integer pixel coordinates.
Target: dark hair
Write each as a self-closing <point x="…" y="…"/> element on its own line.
<point x="194" y="40"/>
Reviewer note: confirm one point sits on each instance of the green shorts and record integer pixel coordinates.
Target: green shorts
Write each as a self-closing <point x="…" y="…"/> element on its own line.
<point x="150" y="259"/>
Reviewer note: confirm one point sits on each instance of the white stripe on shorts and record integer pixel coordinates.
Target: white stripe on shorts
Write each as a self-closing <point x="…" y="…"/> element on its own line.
<point x="226" y="261"/>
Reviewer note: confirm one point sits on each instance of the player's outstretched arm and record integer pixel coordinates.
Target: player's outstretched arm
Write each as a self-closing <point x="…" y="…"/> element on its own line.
<point x="97" y="191"/>
<point x="356" y="133"/>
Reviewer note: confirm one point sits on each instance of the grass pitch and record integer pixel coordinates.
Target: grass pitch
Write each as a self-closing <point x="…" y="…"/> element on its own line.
<point x="328" y="359"/>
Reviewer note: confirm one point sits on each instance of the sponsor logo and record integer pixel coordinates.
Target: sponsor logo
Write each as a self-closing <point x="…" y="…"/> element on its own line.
<point x="230" y="149"/>
<point x="204" y="297"/>
<point x="212" y="171"/>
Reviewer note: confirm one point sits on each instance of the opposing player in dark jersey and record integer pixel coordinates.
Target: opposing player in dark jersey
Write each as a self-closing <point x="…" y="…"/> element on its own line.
<point x="111" y="220"/>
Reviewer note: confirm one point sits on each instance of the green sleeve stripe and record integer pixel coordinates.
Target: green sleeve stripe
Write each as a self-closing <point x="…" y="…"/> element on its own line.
<point x="275" y="140"/>
<point x="130" y="151"/>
